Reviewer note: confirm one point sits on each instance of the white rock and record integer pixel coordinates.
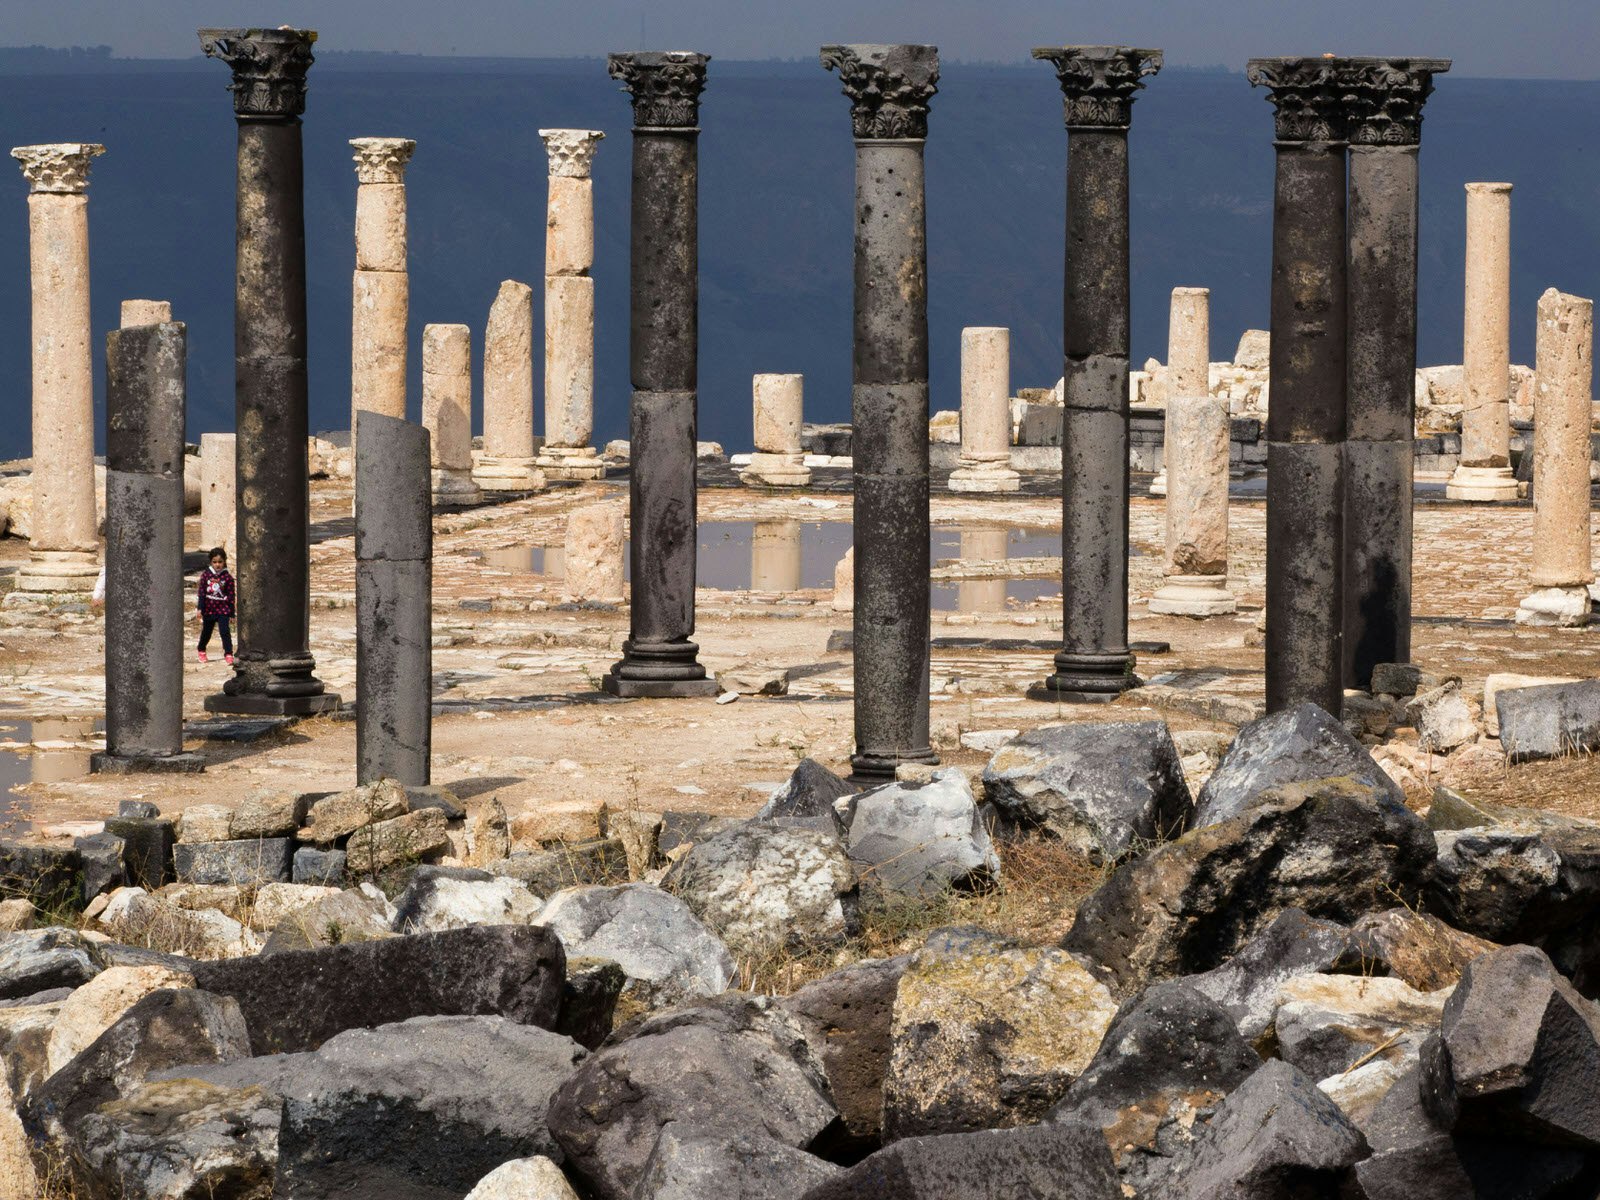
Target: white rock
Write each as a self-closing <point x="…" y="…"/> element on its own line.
<point x="987" y="741"/>
<point x="99" y="1004"/>
<point x="434" y="901"/>
<point x="524" y="1179"/>
<point x="275" y="901"/>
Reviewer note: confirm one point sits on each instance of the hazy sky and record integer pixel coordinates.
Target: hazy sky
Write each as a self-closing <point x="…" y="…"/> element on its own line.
<point x="1519" y="38"/>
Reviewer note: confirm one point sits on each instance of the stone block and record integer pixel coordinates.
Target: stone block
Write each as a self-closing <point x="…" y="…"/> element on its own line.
<point x="147" y="849"/>
<point x="1550" y="721"/>
<point x="322" y="867"/>
<point x="240" y="863"/>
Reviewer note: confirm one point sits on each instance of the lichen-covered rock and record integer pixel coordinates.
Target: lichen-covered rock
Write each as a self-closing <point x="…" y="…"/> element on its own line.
<point x="409" y="838"/>
<point x="452" y="897"/>
<point x="1417" y="947"/>
<point x="1328" y="1024"/>
<point x="1101" y="788"/>
<point x="919" y="840"/>
<point x="987" y="1034"/>
<point x="36" y="960"/>
<point x="234" y="863"/>
<point x="99" y="1004"/>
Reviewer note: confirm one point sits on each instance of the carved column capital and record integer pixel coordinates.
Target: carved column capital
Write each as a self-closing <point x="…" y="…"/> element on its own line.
<point x="382" y="160"/>
<point x="1311" y="96"/>
<point x="269" y="68"/>
<point x="61" y="167"/>
<point x="889" y="88"/>
<point x="571" y="150"/>
<point x="1098" y="82"/>
<point x="665" y="86"/>
<point x="1385" y="97"/>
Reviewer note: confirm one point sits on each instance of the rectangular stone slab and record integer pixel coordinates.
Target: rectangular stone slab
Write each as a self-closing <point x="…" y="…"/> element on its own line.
<point x="248" y="862"/>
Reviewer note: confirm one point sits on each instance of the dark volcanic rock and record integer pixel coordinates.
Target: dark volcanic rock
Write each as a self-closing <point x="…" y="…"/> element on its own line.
<point x="806" y="800"/>
<point x="589" y="1000"/>
<point x="147" y="849"/>
<point x="1549" y="720"/>
<point x="690" y="1164"/>
<point x="103" y="869"/>
<point x="49" y="876"/>
<point x="36" y="960"/>
<point x="246" y="863"/>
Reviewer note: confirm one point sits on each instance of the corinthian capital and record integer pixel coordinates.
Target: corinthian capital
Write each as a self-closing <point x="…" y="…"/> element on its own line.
<point x="665" y="86"/>
<point x="62" y="167"/>
<point x="1311" y="96"/>
<point x="269" y="68"/>
<point x="889" y="87"/>
<point x="382" y="160"/>
<point x="1098" y="82"/>
<point x="1386" y="96"/>
<point x="571" y="150"/>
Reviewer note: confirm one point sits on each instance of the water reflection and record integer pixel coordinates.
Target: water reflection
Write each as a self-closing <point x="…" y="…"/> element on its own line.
<point x="59" y="752"/>
<point x="775" y="556"/>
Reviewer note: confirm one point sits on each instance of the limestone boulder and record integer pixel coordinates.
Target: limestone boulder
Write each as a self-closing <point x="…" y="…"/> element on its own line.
<point x="1335" y="849"/>
<point x="807" y="799"/>
<point x="690" y="1164"/>
<point x="1444" y="717"/>
<point x="101" y="1003"/>
<point x="535" y="1178"/>
<point x="920" y="840"/>
<point x="205" y="823"/>
<point x="666" y="952"/>
<point x="333" y="817"/>
<point x="412" y="837"/>
<point x="986" y="1035"/>
<point x="134" y="916"/>
<point x="1104" y="789"/>
<point x="278" y="902"/>
<point x="1329" y="1024"/>
<point x="453" y="897"/>
<point x="271" y="815"/>
<point x="1296" y="745"/>
<point x="1416" y="947"/>
<point x="36" y="960"/>
<point x="361" y="914"/>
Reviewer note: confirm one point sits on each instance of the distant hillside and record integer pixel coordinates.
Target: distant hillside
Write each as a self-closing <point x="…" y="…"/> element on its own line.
<point x="776" y="162"/>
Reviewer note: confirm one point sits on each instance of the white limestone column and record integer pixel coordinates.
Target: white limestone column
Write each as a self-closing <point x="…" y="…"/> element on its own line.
<point x="778" y="406"/>
<point x="1196" y="468"/>
<point x="381" y="292"/>
<point x="63" y="554"/>
<point x="569" y="308"/>
<point x="985" y="464"/>
<point x="1484" y="472"/>
<point x="218" y="516"/>
<point x="507" y="461"/>
<point x="447" y="411"/>
<point x="1562" y="420"/>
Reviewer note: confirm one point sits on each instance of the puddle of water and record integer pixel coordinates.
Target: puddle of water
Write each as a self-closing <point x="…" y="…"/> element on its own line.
<point x="49" y="750"/>
<point x="525" y="560"/>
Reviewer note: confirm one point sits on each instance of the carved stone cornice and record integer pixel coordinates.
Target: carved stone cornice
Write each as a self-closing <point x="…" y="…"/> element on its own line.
<point x="269" y="68"/>
<point x="1385" y="97"/>
<point x="889" y="88"/>
<point x="571" y="150"/>
<point x="1311" y="96"/>
<point x="60" y="168"/>
<point x="1098" y="83"/>
<point x="665" y="86"/>
<point x="382" y="160"/>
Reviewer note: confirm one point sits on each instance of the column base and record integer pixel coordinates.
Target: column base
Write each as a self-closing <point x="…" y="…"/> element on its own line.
<point x="658" y="689"/>
<point x="1086" y="679"/>
<point x="1158" y="485"/>
<point x="1568" y="607"/>
<point x="107" y="763"/>
<point x="63" y="571"/>
<point x="776" y="470"/>
<point x="495" y="474"/>
<point x="255" y="704"/>
<point x="984" y="477"/>
<point x="1481" y="484"/>
<point x="452" y="485"/>
<point x="1194" y="596"/>
<point x="658" y="670"/>
<point x="571" y="463"/>
<point x="868" y="769"/>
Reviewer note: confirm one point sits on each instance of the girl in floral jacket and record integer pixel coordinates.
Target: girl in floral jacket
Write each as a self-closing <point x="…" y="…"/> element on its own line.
<point x="215" y="602"/>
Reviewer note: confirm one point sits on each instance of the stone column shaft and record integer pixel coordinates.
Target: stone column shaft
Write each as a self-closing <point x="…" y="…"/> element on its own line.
<point x="447" y="411"/>
<point x="507" y="461"/>
<point x="1098" y="84"/>
<point x="1562" y="440"/>
<point x="394" y="602"/>
<point x="985" y="464"/>
<point x="1197" y="468"/>
<point x="659" y="658"/>
<point x="592" y="554"/>
<point x="777" y="410"/>
<point x="381" y="286"/>
<point x="1485" y="469"/>
<point x="218" y="509"/>
<point x="63" y="549"/>
<point x="274" y="672"/>
<point x="889" y="89"/>
<point x="145" y="404"/>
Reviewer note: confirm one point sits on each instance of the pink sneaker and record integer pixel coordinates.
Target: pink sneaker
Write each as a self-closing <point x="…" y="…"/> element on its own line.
<point x="228" y="658"/>
<point x="202" y="656"/>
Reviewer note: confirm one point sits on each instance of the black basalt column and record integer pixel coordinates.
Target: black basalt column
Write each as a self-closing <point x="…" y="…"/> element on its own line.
<point x="1306" y="418"/>
<point x="145" y="403"/>
<point x="1385" y="130"/>
<point x="889" y="88"/>
<point x="274" y="672"/>
<point x="659" y="659"/>
<point x="1098" y="83"/>
<point x="394" y="602"/>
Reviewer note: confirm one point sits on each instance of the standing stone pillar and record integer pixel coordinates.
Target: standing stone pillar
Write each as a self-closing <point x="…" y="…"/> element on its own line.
<point x="1305" y="421"/>
<point x="889" y="89"/>
<point x="447" y="411"/>
<point x="985" y="464"/>
<point x="1099" y="84"/>
<point x="569" y="308"/>
<point x="274" y="672"/>
<point x="394" y="602"/>
<point x="775" y="556"/>
<point x="1380" y="419"/>
<point x="1562" y="417"/>
<point x="1197" y="468"/>
<point x="659" y="659"/>
<point x="63" y="546"/>
<point x="592" y="554"/>
<point x="777" y="411"/>
<point x="145" y="406"/>
<point x="382" y="289"/>
<point x="218" y="515"/>
<point x="1484" y="472"/>
<point x="507" y="461"/>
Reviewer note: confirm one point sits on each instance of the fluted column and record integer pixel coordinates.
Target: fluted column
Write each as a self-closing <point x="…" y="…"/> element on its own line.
<point x="569" y="308"/>
<point x="1484" y="472"/>
<point x="1099" y="84"/>
<point x="1380" y="419"/>
<point x="1197" y="468"/>
<point x="447" y="411"/>
<point x="985" y="464"/>
<point x="1306" y="419"/>
<point x="659" y="658"/>
<point x="889" y="88"/>
<point x="274" y="672"/>
<point x="381" y="293"/>
<point x="1562" y="440"/>
<point x="63" y="546"/>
